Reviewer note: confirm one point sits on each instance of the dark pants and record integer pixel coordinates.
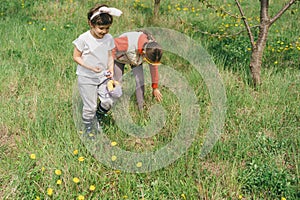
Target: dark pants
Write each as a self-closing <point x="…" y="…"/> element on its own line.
<point x="138" y="73"/>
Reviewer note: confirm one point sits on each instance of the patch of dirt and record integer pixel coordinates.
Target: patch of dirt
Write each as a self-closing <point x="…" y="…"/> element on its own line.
<point x="7" y="141"/>
<point x="140" y="144"/>
<point x="214" y="168"/>
<point x="8" y="147"/>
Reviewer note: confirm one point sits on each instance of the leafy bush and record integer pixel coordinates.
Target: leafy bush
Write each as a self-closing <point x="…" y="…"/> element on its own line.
<point x="266" y="180"/>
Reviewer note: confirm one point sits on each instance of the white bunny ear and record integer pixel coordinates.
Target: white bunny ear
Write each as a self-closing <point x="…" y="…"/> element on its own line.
<point x="112" y="11"/>
<point x="115" y="12"/>
<point x="104" y="9"/>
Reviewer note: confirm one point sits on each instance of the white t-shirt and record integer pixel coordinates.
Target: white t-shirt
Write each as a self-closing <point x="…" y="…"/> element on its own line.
<point x="94" y="52"/>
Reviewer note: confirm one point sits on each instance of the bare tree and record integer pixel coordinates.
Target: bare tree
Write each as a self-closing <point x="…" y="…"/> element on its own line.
<point x="259" y="45"/>
<point x="156" y="8"/>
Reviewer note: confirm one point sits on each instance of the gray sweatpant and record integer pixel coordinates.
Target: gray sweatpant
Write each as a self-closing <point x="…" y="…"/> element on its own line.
<point x="138" y="73"/>
<point x="90" y="90"/>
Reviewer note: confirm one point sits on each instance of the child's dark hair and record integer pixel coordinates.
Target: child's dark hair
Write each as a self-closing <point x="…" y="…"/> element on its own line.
<point x="101" y="19"/>
<point x="153" y="52"/>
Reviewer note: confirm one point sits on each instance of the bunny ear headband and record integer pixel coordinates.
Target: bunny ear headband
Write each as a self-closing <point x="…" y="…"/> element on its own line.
<point x="110" y="11"/>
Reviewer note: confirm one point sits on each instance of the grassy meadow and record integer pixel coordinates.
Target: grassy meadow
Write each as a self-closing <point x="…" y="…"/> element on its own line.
<point x="43" y="157"/>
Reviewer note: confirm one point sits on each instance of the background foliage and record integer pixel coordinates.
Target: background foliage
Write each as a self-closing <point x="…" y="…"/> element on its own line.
<point x="257" y="156"/>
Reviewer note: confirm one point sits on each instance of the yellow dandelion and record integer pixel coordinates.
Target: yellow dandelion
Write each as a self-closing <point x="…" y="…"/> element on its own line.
<point x="80" y="197"/>
<point x="29" y="23"/>
<point x="113" y="158"/>
<point x="139" y="164"/>
<point x="75" y="152"/>
<point x="37" y="198"/>
<point x="298" y="48"/>
<point x="49" y="191"/>
<point x="43" y="169"/>
<point x="240" y="196"/>
<point x="282" y="198"/>
<point x="183" y="196"/>
<point x="113" y="144"/>
<point x="76" y="180"/>
<point x="185" y="9"/>
<point x="249" y="49"/>
<point x="125" y="197"/>
<point x="91" y="134"/>
<point x="57" y="172"/>
<point x="44" y="29"/>
<point x="58" y="182"/>
<point x="92" y="188"/>
<point x="80" y="132"/>
<point x="226" y="25"/>
<point x="117" y="171"/>
<point x="32" y="156"/>
<point x="81" y="159"/>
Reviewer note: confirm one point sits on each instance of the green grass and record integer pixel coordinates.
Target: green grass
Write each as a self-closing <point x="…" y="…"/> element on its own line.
<point x="257" y="156"/>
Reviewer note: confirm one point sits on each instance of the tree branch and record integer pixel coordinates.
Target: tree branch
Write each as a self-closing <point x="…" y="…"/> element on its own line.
<point x="289" y="4"/>
<point x="246" y="23"/>
<point x="219" y="8"/>
<point x="224" y="35"/>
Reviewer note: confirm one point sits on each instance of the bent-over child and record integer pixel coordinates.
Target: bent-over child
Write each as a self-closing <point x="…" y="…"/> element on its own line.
<point x="134" y="48"/>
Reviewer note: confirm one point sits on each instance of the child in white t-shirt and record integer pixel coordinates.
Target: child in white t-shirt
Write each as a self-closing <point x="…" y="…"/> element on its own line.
<point x="93" y="54"/>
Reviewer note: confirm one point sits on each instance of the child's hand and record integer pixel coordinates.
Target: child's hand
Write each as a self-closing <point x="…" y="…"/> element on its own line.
<point x="96" y="69"/>
<point x="156" y="93"/>
<point x="109" y="74"/>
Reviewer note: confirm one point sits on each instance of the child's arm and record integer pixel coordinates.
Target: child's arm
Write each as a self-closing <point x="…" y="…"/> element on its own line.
<point x="110" y="64"/>
<point x="77" y="58"/>
<point x="155" y="78"/>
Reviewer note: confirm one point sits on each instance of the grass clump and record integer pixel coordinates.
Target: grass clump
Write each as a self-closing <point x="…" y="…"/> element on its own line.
<point x="42" y="156"/>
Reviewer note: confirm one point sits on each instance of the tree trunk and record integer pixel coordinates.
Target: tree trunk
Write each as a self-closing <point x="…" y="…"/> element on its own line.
<point x="258" y="48"/>
<point x="257" y="52"/>
<point x="255" y="65"/>
<point x="156" y="8"/>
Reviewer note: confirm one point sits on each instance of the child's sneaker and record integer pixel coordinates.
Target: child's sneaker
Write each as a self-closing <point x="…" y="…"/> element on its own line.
<point x="101" y="114"/>
<point x="92" y="128"/>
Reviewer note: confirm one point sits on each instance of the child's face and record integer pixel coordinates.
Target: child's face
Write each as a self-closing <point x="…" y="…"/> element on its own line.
<point x="98" y="31"/>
